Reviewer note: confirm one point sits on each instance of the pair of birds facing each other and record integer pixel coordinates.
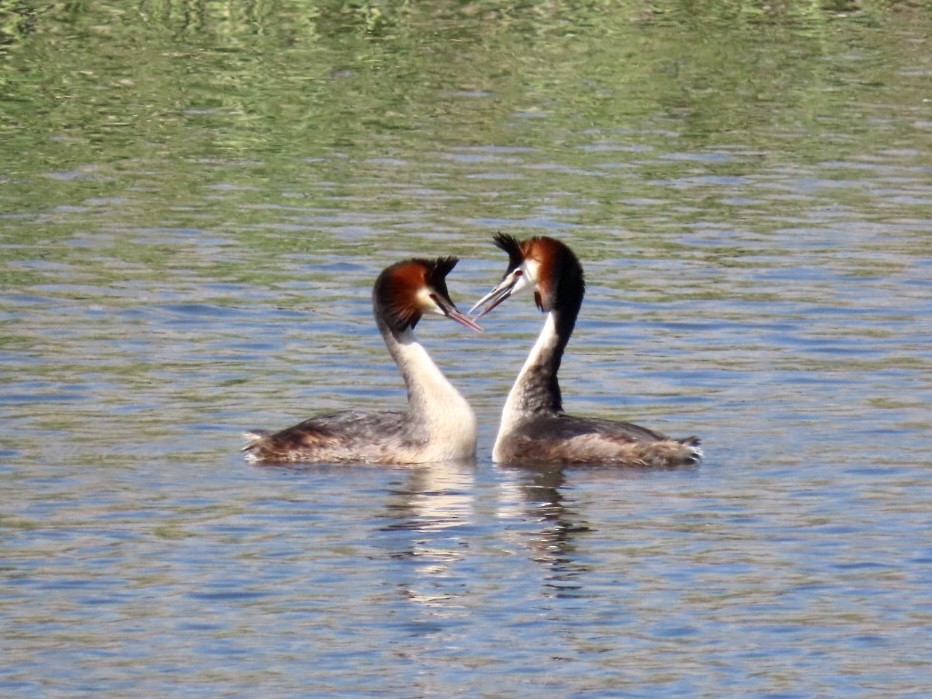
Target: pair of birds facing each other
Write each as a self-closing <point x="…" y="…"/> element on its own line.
<point x="439" y="424"/>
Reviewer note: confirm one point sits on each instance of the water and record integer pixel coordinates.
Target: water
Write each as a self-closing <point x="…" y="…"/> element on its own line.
<point x="192" y="211"/>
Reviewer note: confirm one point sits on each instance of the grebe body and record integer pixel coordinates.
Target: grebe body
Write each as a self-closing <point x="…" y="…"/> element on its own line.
<point x="438" y="424"/>
<point x="534" y="429"/>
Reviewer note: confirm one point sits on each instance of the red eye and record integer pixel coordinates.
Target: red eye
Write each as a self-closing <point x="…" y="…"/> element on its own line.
<point x="518" y="273"/>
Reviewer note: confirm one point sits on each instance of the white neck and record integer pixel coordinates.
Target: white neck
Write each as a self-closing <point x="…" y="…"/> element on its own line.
<point x="531" y="388"/>
<point x="433" y="400"/>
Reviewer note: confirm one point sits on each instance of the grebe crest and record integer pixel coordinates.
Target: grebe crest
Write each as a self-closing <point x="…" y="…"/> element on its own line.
<point x="438" y="425"/>
<point x="534" y="429"/>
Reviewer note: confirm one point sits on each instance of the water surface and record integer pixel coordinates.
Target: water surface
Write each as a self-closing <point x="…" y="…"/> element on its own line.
<point x="193" y="208"/>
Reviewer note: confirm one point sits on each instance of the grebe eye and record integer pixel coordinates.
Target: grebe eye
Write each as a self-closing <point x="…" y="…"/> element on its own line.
<point x="518" y="273"/>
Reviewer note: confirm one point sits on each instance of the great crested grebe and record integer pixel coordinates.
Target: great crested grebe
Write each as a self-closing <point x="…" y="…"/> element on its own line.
<point x="534" y="428"/>
<point x="439" y="425"/>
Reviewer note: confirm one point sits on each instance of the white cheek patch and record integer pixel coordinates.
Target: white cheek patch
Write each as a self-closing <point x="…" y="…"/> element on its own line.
<point x="528" y="277"/>
<point x="520" y="284"/>
<point x="531" y="267"/>
<point x="424" y="301"/>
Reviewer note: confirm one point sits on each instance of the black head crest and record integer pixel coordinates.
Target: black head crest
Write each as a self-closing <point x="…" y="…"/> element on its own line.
<point x="512" y="246"/>
<point x="437" y="271"/>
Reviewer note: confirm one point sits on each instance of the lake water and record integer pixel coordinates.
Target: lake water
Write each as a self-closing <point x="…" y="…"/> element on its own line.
<point x="193" y="208"/>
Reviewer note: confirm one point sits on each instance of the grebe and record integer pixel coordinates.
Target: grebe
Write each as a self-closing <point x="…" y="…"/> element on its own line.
<point x="439" y="425"/>
<point x="534" y="428"/>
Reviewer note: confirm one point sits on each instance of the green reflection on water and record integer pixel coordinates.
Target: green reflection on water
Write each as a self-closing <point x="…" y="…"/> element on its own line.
<point x="263" y="121"/>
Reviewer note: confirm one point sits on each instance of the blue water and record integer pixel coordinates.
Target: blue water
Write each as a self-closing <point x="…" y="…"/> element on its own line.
<point x="142" y="556"/>
<point x="178" y="266"/>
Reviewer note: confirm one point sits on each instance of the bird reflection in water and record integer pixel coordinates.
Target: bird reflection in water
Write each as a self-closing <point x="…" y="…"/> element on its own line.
<point x="538" y="495"/>
<point x="427" y="512"/>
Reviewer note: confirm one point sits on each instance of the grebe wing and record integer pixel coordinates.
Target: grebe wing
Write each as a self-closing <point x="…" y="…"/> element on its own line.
<point x="569" y="426"/>
<point x="349" y="421"/>
<point x="324" y="432"/>
<point x="622" y="431"/>
<point x="559" y="438"/>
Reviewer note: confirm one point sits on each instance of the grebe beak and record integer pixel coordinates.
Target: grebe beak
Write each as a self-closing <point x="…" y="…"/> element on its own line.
<point x="502" y="291"/>
<point x="464" y="319"/>
<point x="450" y="311"/>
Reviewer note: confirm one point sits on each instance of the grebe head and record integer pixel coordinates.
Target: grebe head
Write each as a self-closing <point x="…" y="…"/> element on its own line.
<point x="407" y="290"/>
<point x="539" y="264"/>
